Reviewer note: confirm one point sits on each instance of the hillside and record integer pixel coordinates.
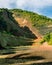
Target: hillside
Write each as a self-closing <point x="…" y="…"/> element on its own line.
<point x="22" y="27"/>
<point x="10" y="30"/>
<point x="25" y="38"/>
<point x="42" y="23"/>
<point x="10" y="24"/>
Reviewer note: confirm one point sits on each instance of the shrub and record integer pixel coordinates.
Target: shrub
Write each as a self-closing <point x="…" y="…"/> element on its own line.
<point x="47" y="38"/>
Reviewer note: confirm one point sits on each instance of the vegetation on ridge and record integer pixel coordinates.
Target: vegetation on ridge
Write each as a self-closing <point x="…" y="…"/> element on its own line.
<point x="42" y="23"/>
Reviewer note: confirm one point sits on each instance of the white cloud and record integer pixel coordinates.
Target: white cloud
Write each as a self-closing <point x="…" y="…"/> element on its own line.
<point x="24" y="3"/>
<point x="21" y="3"/>
<point x="6" y="3"/>
<point x="33" y="5"/>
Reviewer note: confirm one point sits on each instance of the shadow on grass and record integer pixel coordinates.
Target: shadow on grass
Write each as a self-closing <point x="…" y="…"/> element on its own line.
<point x="21" y="58"/>
<point x="14" y="61"/>
<point x="47" y="63"/>
<point x="7" y="51"/>
<point x="27" y="56"/>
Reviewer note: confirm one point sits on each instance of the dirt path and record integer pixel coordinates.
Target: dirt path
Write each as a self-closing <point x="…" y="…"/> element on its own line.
<point x="34" y="51"/>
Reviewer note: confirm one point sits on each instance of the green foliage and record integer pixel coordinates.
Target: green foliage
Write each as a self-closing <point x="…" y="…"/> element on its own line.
<point x="42" y="41"/>
<point x="50" y="40"/>
<point x="9" y="40"/>
<point x="47" y="38"/>
<point x="3" y="39"/>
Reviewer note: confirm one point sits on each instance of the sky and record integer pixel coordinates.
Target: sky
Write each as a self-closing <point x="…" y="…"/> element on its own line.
<point x="43" y="7"/>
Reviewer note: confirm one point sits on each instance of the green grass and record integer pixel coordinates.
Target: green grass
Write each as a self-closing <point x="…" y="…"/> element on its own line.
<point x="8" y="40"/>
<point x="47" y="38"/>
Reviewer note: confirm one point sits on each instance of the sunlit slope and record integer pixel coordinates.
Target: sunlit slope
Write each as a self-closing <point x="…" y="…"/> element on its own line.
<point x="40" y="22"/>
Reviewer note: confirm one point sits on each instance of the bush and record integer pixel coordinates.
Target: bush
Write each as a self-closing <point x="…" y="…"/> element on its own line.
<point x="9" y="40"/>
<point x="47" y="38"/>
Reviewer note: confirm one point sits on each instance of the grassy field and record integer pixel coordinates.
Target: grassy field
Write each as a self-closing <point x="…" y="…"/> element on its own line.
<point x="26" y="55"/>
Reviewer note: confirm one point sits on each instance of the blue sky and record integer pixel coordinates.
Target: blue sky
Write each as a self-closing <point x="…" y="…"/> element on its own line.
<point x="43" y="7"/>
